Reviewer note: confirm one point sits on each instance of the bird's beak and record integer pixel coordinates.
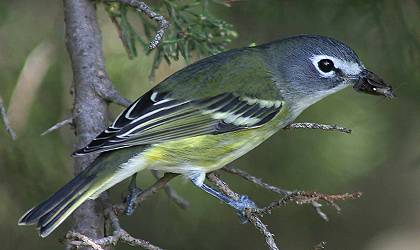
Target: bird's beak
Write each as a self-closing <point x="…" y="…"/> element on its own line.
<point x="372" y="84"/>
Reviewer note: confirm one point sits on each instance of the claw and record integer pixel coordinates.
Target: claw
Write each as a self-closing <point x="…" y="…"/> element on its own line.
<point x="241" y="205"/>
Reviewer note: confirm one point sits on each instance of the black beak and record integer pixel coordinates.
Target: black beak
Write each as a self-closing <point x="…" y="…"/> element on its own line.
<point x="372" y="84"/>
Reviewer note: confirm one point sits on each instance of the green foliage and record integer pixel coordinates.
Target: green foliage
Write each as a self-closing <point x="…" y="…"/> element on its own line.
<point x="193" y="30"/>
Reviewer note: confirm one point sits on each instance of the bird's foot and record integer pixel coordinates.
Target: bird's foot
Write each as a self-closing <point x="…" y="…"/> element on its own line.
<point x="133" y="193"/>
<point x="241" y="205"/>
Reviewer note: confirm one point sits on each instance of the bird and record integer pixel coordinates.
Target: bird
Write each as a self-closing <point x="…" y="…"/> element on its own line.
<point x="210" y="113"/>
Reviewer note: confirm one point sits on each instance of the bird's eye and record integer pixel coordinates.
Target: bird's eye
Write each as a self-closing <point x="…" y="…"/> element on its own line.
<point x="326" y="65"/>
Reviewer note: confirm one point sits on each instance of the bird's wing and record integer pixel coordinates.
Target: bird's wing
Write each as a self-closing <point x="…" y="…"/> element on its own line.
<point x="156" y="118"/>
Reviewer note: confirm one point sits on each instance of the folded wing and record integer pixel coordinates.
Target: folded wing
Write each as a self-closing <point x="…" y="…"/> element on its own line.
<point x="156" y="118"/>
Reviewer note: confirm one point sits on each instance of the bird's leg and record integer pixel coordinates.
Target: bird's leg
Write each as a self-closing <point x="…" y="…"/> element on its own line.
<point x="133" y="193"/>
<point x="239" y="205"/>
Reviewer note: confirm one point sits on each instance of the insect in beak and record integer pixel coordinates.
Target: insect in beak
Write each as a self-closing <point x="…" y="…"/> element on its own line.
<point x="372" y="84"/>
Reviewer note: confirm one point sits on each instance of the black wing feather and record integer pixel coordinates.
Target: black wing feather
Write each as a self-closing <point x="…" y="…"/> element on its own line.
<point x="155" y="118"/>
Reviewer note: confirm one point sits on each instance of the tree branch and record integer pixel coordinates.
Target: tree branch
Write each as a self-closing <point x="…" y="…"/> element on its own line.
<point x="172" y="194"/>
<point x="312" y="125"/>
<point x="144" y="8"/>
<point x="90" y="111"/>
<point x="119" y="234"/>
<point x="84" y="240"/>
<point x="262" y="228"/>
<point x="302" y="197"/>
<point x="287" y="194"/>
<point x="68" y="121"/>
<point x="93" y="91"/>
<point x="107" y="91"/>
<point x="255" y="221"/>
<point x="255" y="180"/>
<point x="299" y="197"/>
<point x="5" y="120"/>
<point x="159" y="184"/>
<point x="112" y="212"/>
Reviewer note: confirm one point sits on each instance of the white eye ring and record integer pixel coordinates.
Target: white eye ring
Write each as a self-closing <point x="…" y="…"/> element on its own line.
<point x="315" y="61"/>
<point x="348" y="68"/>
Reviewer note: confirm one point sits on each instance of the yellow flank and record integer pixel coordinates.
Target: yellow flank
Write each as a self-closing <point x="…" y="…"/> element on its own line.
<point x="209" y="152"/>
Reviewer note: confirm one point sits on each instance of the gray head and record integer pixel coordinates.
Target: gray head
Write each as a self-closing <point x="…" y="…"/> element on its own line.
<point x="308" y="68"/>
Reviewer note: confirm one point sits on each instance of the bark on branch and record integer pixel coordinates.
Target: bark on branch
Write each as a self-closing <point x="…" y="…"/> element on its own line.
<point x="93" y="91"/>
<point x="90" y="111"/>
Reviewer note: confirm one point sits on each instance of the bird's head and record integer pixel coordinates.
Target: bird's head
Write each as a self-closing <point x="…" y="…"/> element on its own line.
<point x="312" y="67"/>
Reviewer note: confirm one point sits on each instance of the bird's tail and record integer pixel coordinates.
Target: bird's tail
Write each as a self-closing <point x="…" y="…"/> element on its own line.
<point x="51" y="213"/>
<point x="106" y="171"/>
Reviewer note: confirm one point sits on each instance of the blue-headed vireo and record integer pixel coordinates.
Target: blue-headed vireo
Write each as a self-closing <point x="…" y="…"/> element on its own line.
<point x="209" y="114"/>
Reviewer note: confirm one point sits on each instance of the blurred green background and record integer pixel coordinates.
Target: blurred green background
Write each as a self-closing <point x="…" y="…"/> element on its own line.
<point x="381" y="157"/>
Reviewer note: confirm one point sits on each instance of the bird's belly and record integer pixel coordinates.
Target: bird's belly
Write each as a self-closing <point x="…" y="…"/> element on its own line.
<point x="204" y="153"/>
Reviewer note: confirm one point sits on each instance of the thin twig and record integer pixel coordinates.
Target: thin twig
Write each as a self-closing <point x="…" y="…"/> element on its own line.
<point x="223" y="186"/>
<point x="6" y="120"/>
<point x="68" y="121"/>
<point x="312" y="125"/>
<point x="159" y="184"/>
<point x="124" y="235"/>
<point x="119" y="234"/>
<point x="299" y="197"/>
<point x="260" y="226"/>
<point x="280" y="203"/>
<point x="302" y="197"/>
<point x="144" y="8"/>
<point x="172" y="194"/>
<point x="84" y="240"/>
<point x="310" y="197"/>
<point x="255" y="180"/>
<point x="127" y="238"/>
<point x="232" y="170"/>
<point x="255" y="221"/>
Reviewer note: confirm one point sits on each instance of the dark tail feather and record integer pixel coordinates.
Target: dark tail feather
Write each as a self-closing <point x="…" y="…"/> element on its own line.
<point x="52" y="212"/>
